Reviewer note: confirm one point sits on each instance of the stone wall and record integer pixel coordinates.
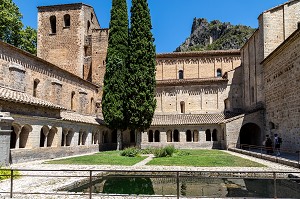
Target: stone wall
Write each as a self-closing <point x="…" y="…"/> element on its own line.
<point x="66" y="46"/>
<point x="282" y="88"/>
<point x="52" y="83"/>
<point x="196" y="65"/>
<point x="5" y="131"/>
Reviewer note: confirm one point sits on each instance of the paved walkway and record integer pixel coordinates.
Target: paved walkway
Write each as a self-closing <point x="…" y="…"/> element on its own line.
<point x="52" y="184"/>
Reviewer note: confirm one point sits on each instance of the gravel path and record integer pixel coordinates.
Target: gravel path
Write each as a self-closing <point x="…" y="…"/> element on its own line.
<point x="51" y="184"/>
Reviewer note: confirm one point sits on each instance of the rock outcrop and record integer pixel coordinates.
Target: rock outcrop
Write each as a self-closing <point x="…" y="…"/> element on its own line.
<point x="215" y="35"/>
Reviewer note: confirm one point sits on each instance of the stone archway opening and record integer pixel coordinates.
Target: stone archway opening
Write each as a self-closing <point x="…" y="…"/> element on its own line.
<point x="250" y="134"/>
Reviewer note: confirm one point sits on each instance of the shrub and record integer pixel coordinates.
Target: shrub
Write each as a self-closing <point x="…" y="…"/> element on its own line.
<point x="164" y="152"/>
<point x="149" y="150"/>
<point x="170" y="149"/>
<point x="7" y="172"/>
<point x="130" y="152"/>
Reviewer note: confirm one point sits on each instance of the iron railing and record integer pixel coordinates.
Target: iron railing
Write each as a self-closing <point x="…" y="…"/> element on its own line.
<point x="176" y="178"/>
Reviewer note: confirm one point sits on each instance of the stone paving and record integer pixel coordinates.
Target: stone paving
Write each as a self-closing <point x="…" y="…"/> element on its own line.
<point x="52" y="184"/>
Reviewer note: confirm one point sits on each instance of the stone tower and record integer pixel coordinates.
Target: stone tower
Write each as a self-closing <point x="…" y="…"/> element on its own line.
<point x="70" y="37"/>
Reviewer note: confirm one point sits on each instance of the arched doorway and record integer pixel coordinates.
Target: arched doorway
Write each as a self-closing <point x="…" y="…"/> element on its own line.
<point x="250" y="134"/>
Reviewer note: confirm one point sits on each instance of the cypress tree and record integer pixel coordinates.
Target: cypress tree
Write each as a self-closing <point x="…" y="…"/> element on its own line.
<point x="141" y="101"/>
<point x="117" y="53"/>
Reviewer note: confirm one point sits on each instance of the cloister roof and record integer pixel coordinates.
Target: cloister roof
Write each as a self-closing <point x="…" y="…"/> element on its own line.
<point x="76" y="117"/>
<point x="190" y="119"/>
<point x="8" y="94"/>
<point x="196" y="81"/>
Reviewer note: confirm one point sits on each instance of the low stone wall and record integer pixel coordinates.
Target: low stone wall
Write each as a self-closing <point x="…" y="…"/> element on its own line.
<point x="271" y="158"/>
<point x="26" y="155"/>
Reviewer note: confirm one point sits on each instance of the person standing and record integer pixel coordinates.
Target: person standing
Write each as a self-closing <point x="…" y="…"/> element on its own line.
<point x="268" y="145"/>
<point x="277" y="142"/>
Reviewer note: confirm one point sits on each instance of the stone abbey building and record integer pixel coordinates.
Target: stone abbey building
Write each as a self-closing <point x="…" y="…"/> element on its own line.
<point x="51" y="103"/>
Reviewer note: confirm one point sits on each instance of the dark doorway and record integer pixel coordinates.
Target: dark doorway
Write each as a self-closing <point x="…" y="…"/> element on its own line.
<point x="250" y="134"/>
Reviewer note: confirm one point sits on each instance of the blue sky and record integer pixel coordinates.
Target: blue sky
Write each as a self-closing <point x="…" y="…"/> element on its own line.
<point x="171" y="19"/>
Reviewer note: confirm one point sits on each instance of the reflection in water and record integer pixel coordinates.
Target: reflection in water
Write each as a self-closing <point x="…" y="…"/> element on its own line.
<point x="192" y="187"/>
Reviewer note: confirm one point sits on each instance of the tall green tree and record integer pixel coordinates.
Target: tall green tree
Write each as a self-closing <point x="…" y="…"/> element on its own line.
<point x="113" y="99"/>
<point x="11" y="28"/>
<point x="10" y="22"/>
<point x="28" y="40"/>
<point x="141" y="101"/>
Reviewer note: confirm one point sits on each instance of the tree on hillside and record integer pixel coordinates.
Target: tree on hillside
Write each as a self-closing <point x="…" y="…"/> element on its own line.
<point x="113" y="99"/>
<point x="141" y="102"/>
<point x="11" y="28"/>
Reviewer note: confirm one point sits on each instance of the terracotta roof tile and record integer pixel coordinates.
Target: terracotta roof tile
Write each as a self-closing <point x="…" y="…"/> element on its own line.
<point x="76" y="117"/>
<point x="190" y="119"/>
<point x="7" y="94"/>
<point x="174" y="82"/>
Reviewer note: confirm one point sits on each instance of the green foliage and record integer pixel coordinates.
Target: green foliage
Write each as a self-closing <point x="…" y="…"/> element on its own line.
<point x="165" y="151"/>
<point x="11" y="28"/>
<point x="141" y="102"/>
<point x="28" y="40"/>
<point x="5" y="174"/>
<point x="130" y="152"/>
<point x="183" y="153"/>
<point x="149" y="150"/>
<point x="114" y="96"/>
<point x="113" y="93"/>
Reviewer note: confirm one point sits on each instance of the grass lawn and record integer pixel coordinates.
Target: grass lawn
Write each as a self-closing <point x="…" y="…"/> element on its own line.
<point x="205" y="158"/>
<point x="102" y="158"/>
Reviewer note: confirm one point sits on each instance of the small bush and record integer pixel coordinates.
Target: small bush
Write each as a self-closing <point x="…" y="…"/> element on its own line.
<point x="149" y="150"/>
<point x="170" y="149"/>
<point x="160" y="152"/>
<point x="130" y="152"/>
<point x="7" y="172"/>
<point x="165" y="152"/>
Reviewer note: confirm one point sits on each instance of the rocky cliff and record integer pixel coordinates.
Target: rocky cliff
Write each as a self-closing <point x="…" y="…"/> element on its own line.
<point x="215" y="35"/>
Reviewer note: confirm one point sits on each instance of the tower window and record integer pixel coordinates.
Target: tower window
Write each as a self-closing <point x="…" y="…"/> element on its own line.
<point x="182" y="107"/>
<point x="35" y="85"/>
<point x="219" y="72"/>
<point x="88" y="26"/>
<point x="53" y="24"/>
<point x="72" y="100"/>
<point x="67" y="20"/>
<point x="180" y="74"/>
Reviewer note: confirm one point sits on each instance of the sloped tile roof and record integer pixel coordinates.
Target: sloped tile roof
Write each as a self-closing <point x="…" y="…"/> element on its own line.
<point x="7" y="94"/>
<point x="190" y="119"/>
<point x="174" y="82"/>
<point x="76" y="117"/>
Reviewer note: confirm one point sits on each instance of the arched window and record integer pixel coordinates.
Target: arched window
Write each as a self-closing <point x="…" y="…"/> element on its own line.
<point x="132" y="136"/>
<point x="219" y="72"/>
<point x="226" y="104"/>
<point x="92" y="106"/>
<point x="215" y="135"/>
<point x="188" y="136"/>
<point x="208" y="135"/>
<point x="169" y="136"/>
<point x="180" y="74"/>
<point x="182" y="107"/>
<point x="67" y="20"/>
<point x="69" y="137"/>
<point x="35" y="85"/>
<point x="53" y="24"/>
<point x="196" y="136"/>
<point x="150" y="136"/>
<point x="88" y="26"/>
<point x="176" y="136"/>
<point x="157" y="136"/>
<point x="72" y="100"/>
<point x="272" y="125"/>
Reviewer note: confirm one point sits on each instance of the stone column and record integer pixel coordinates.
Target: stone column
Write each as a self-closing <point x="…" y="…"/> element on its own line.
<point x="119" y="140"/>
<point x="5" y="133"/>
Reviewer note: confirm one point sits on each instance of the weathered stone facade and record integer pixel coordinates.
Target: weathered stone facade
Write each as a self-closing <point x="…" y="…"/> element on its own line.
<point x="210" y="99"/>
